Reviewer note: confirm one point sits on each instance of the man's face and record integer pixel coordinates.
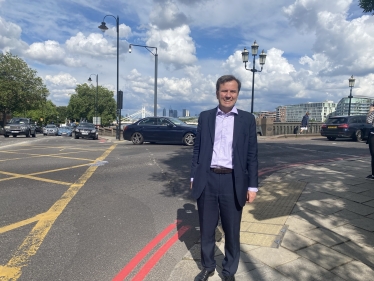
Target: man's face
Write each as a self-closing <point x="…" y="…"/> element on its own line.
<point x="227" y="95"/>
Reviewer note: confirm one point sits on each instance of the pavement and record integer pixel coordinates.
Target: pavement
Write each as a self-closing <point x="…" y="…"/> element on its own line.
<point x="308" y="222"/>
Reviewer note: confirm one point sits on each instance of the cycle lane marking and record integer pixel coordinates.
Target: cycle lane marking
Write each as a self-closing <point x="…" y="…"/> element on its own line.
<point x="13" y="269"/>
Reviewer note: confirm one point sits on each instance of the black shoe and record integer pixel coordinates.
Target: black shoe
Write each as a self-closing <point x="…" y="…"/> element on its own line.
<point x="204" y="275"/>
<point x="229" y="278"/>
<point x="370" y="177"/>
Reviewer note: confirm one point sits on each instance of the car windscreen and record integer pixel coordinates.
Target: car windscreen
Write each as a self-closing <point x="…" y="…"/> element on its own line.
<point x="176" y="121"/>
<point x="18" y="121"/>
<point x="50" y="126"/>
<point x="337" y="120"/>
<point x="90" y="126"/>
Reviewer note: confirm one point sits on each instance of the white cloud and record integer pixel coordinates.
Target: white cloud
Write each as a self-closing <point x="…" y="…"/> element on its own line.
<point x="124" y="31"/>
<point x="49" y="52"/>
<point x="61" y="80"/>
<point x="10" y="37"/>
<point x="94" y="44"/>
<point x="167" y="15"/>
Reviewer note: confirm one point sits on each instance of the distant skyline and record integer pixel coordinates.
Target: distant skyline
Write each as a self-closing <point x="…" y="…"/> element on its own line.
<point x="312" y="46"/>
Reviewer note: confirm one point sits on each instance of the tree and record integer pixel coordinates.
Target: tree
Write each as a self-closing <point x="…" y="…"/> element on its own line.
<point x="82" y="104"/>
<point x="20" y="87"/>
<point x="367" y="5"/>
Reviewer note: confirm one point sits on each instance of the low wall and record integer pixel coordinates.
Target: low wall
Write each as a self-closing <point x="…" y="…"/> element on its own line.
<point x="270" y="128"/>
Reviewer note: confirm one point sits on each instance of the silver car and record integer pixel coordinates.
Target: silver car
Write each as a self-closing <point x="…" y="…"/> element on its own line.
<point x="50" y="130"/>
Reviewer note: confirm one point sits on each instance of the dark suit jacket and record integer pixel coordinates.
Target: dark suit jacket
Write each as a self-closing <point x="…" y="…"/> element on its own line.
<point x="245" y="163"/>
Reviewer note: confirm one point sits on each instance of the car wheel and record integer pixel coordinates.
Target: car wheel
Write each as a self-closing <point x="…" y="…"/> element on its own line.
<point x="75" y="136"/>
<point x="28" y="134"/>
<point x="34" y="134"/>
<point x="137" y="138"/>
<point x="189" y="139"/>
<point x="6" y="136"/>
<point x="331" y="138"/>
<point x="358" y="136"/>
<point x="14" y="136"/>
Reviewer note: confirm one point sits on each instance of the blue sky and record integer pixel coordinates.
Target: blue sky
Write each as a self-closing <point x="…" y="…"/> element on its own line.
<point x="312" y="46"/>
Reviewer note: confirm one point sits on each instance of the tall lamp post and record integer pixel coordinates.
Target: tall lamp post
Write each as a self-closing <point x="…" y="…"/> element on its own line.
<point x="119" y="106"/>
<point x="156" y="65"/>
<point x="351" y="85"/>
<point x="97" y="96"/>
<point x="245" y="54"/>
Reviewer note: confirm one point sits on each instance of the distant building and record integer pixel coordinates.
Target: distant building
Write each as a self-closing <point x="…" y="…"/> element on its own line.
<point x="318" y="111"/>
<point x="280" y="115"/>
<point x="186" y="113"/>
<point x="164" y="112"/>
<point x="171" y="113"/>
<point x="267" y="114"/>
<point x="175" y="113"/>
<point x="359" y="106"/>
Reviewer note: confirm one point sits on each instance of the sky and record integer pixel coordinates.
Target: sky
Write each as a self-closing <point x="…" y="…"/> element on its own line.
<point x="313" y="47"/>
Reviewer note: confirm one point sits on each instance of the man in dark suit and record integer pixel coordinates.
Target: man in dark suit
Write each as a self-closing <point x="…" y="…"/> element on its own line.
<point x="224" y="175"/>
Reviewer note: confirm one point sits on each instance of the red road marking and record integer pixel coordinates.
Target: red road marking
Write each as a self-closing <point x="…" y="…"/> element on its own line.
<point x="158" y="255"/>
<point x="135" y="260"/>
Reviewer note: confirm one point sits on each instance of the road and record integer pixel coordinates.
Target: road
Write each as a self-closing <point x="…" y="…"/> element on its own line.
<point x="101" y="210"/>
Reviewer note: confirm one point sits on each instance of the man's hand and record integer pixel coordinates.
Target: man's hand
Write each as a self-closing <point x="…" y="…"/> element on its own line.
<point x="251" y="195"/>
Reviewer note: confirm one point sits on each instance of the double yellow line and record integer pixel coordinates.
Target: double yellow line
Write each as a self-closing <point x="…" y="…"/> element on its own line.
<point x="13" y="269"/>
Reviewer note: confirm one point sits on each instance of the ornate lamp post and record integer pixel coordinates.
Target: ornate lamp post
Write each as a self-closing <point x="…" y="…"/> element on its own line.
<point x="119" y="106"/>
<point x="156" y="65"/>
<point x="97" y="95"/>
<point x="351" y="85"/>
<point x="245" y="54"/>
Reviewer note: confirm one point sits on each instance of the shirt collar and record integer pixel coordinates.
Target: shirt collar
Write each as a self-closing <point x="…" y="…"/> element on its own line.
<point x="232" y="112"/>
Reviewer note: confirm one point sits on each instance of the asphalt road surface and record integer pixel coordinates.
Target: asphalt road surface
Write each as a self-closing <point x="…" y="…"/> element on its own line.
<point x="101" y="210"/>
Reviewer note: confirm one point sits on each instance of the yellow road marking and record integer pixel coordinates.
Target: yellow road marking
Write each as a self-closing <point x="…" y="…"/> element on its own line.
<point x="13" y="269"/>
<point x="49" y="155"/>
<point x="17" y="176"/>
<point x="20" y="223"/>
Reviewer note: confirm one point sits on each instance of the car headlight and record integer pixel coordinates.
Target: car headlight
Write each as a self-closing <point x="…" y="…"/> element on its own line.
<point x="93" y="131"/>
<point x="7" y="127"/>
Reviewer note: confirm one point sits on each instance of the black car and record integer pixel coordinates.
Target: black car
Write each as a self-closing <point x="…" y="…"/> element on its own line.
<point x="86" y="130"/>
<point x="354" y="127"/>
<point x="160" y="130"/>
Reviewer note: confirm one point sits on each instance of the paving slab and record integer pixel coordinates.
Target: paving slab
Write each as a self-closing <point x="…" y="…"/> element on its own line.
<point x="355" y="271"/>
<point x="273" y="256"/>
<point x="264" y="273"/>
<point x="305" y="270"/>
<point x="325" y="237"/>
<point x="293" y="241"/>
<point x="299" y="225"/>
<point x="320" y="206"/>
<point x="324" y="256"/>
<point x="364" y="223"/>
<point x="358" y="235"/>
<point x="361" y="253"/>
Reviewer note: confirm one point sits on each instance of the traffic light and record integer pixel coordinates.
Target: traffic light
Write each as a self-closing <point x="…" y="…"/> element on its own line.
<point x="119" y="99"/>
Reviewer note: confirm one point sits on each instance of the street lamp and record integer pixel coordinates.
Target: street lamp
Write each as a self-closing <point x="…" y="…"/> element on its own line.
<point x="119" y="106"/>
<point x="97" y="96"/>
<point x="245" y="54"/>
<point x="351" y="85"/>
<point x="156" y="65"/>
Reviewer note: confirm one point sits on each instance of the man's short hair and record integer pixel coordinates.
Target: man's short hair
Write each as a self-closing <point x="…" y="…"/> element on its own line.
<point x="227" y="78"/>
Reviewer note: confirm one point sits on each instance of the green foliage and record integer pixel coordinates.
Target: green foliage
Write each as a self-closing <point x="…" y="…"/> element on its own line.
<point x="20" y="87"/>
<point x="46" y="113"/>
<point x="82" y="104"/>
<point x="367" y="6"/>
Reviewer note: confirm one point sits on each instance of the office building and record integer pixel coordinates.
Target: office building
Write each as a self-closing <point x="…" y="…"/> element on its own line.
<point x="186" y="113"/>
<point x="164" y="112"/>
<point x="175" y="113"/>
<point x="359" y="106"/>
<point x="318" y="111"/>
<point x="171" y="113"/>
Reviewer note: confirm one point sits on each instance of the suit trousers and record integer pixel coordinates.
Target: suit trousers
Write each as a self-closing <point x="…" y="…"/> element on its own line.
<point x="218" y="199"/>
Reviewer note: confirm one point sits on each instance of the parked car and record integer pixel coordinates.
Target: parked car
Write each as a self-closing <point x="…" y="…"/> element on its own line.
<point x="50" y="130"/>
<point x="160" y="130"/>
<point x="65" y="131"/>
<point x="20" y="126"/>
<point x="39" y="129"/>
<point x="86" y="130"/>
<point x="354" y="127"/>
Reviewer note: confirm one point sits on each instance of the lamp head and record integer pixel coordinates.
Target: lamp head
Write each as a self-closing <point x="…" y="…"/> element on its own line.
<point x="254" y="48"/>
<point x="89" y="79"/>
<point x="130" y="48"/>
<point x="262" y="58"/>
<point x="245" y="54"/>
<point x="103" y="27"/>
<point x="351" y="81"/>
